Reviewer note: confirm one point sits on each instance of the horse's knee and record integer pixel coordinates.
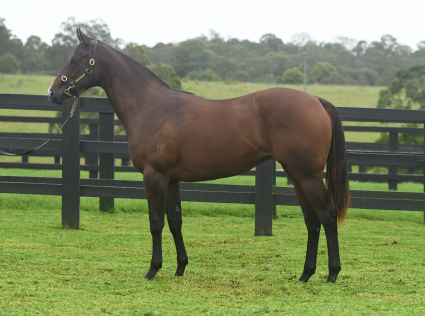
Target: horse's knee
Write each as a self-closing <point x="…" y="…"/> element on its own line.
<point x="156" y="226"/>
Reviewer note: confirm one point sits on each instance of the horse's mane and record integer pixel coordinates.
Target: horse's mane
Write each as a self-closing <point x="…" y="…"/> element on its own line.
<point x="144" y="68"/>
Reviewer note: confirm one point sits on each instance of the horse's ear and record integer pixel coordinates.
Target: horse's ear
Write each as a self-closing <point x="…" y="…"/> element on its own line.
<point x="81" y="36"/>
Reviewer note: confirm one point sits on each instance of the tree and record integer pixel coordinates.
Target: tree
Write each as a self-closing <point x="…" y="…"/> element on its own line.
<point x="35" y="55"/>
<point x="273" y="43"/>
<point x="292" y="76"/>
<point x="323" y="72"/>
<point x="9" y="43"/>
<point x="275" y="64"/>
<point x="66" y="40"/>
<point x="137" y="52"/>
<point x="365" y="76"/>
<point x="96" y="29"/>
<point x="167" y="73"/>
<point x="202" y="75"/>
<point x="407" y="90"/>
<point x="9" y="64"/>
<point x="238" y="51"/>
<point x="301" y="39"/>
<point x="191" y="55"/>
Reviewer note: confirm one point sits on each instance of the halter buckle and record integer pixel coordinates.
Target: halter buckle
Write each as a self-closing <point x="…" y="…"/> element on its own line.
<point x="64" y="79"/>
<point x="91" y="62"/>
<point x="89" y="71"/>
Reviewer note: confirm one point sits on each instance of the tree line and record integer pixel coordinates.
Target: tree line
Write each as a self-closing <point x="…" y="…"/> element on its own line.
<point x="344" y="61"/>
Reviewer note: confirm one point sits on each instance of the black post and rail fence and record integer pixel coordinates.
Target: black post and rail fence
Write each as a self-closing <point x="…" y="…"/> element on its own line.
<point x="101" y="147"/>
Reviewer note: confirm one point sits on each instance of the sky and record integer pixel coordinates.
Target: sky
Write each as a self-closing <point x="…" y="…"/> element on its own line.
<point x="150" y="22"/>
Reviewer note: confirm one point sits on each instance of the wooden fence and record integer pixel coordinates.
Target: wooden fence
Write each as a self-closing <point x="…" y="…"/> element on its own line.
<point x="101" y="147"/>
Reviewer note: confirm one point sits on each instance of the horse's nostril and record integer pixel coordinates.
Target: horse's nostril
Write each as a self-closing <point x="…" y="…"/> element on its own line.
<point x="50" y="93"/>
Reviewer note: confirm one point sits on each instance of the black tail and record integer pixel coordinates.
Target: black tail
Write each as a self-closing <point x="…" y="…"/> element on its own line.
<point x="337" y="168"/>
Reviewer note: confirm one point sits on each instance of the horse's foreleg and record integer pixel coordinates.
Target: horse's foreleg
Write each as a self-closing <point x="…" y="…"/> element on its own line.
<point x="174" y="216"/>
<point x="156" y="190"/>
<point x="313" y="224"/>
<point x="320" y="200"/>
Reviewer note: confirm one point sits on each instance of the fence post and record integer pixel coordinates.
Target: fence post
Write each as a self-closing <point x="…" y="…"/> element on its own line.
<point x="92" y="159"/>
<point x="264" y="197"/>
<point x="71" y="170"/>
<point x="106" y="161"/>
<point x="274" y="184"/>
<point x="392" y="170"/>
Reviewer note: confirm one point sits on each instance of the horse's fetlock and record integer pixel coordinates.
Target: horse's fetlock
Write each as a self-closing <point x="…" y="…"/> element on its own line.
<point x="156" y="265"/>
<point x="183" y="262"/>
<point x="334" y="268"/>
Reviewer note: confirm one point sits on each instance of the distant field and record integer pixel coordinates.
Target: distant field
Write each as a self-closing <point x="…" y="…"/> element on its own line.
<point x="341" y="96"/>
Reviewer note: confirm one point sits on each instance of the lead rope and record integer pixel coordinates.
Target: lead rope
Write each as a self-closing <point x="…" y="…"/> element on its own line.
<point x="74" y="106"/>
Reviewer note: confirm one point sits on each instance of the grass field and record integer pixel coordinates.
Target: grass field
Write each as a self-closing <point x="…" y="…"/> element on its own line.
<point x="99" y="269"/>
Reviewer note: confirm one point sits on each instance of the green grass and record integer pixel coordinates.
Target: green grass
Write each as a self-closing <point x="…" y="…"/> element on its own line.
<point x="99" y="269"/>
<point x="342" y="96"/>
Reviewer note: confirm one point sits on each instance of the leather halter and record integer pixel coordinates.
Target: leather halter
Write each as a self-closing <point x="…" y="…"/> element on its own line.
<point x="75" y="94"/>
<point x="71" y="90"/>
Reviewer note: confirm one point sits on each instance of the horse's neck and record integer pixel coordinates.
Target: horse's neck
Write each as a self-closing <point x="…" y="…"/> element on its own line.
<point x="130" y="88"/>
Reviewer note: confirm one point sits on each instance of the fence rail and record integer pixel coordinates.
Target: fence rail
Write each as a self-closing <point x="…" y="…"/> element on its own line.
<point x="101" y="147"/>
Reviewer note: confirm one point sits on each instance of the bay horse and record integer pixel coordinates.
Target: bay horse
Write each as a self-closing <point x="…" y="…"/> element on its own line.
<point x="175" y="136"/>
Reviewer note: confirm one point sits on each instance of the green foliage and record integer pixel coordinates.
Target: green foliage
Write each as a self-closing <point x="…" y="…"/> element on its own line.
<point x="35" y="55"/>
<point x="323" y="72"/>
<point x="403" y="138"/>
<point x="275" y="64"/>
<point x="167" y="73"/>
<point x="9" y="64"/>
<point x="365" y="76"/>
<point x="137" y="52"/>
<point x="407" y="90"/>
<point x="357" y="63"/>
<point x="238" y="51"/>
<point x="191" y="55"/>
<point x="96" y="29"/>
<point x="292" y="76"/>
<point x="203" y="75"/>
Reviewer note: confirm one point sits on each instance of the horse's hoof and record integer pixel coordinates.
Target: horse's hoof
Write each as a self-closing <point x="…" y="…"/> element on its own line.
<point x="146" y="278"/>
<point x="305" y="277"/>
<point x="180" y="270"/>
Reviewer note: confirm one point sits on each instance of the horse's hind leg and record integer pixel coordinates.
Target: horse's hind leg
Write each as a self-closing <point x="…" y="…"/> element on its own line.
<point x="313" y="224"/>
<point x="174" y="216"/>
<point x="318" y="197"/>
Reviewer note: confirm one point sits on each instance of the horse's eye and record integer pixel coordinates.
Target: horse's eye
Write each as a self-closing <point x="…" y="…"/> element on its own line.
<point x="74" y="61"/>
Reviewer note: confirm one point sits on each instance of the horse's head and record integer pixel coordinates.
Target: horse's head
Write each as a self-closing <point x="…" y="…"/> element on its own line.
<point x="76" y="75"/>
